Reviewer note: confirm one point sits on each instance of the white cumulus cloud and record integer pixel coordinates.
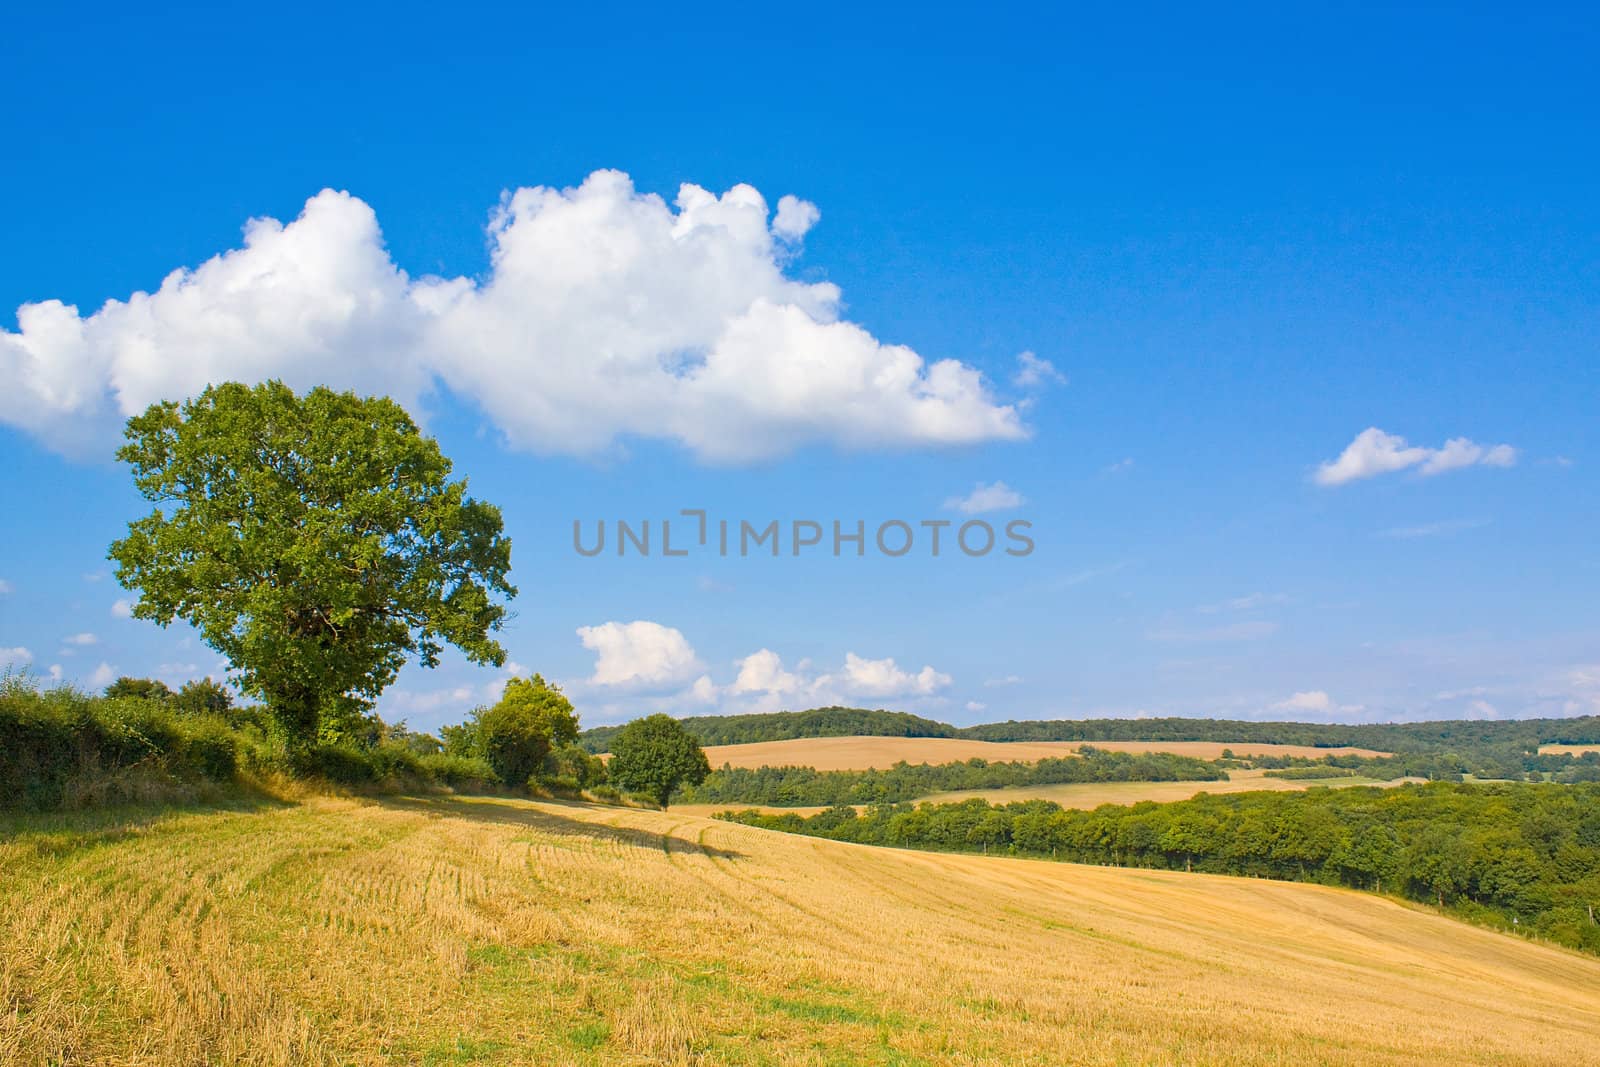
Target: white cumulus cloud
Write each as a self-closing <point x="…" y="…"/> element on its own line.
<point x="1311" y="700"/>
<point x="996" y="497"/>
<point x="883" y="677"/>
<point x="82" y="640"/>
<point x="639" y="653"/>
<point x="15" y="657"/>
<point x="762" y="672"/>
<point x="1374" y="452"/>
<point x="606" y="314"/>
<point x="122" y="609"/>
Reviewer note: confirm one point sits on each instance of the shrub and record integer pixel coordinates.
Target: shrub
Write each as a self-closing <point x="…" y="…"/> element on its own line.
<point x="517" y="733"/>
<point x="459" y="770"/>
<point x="61" y="746"/>
<point x="339" y="763"/>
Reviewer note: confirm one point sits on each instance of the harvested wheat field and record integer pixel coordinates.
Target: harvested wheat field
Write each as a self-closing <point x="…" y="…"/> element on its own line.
<point x="1569" y="750"/>
<point x="495" y="931"/>
<point x="1093" y="794"/>
<point x="862" y="753"/>
<point x="1088" y="795"/>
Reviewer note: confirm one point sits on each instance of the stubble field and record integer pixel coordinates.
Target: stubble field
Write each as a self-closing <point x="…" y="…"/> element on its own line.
<point x="496" y="931"/>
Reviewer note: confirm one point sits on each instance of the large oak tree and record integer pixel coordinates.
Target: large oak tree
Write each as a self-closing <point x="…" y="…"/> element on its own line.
<point x="316" y="541"/>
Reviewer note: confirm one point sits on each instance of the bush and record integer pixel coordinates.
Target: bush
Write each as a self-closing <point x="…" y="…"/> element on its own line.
<point x="459" y="770"/>
<point x="61" y="746"/>
<point x="517" y="733"/>
<point x="342" y="764"/>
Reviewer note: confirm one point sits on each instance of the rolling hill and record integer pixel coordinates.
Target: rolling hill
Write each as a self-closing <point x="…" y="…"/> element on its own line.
<point x="449" y="930"/>
<point x="863" y="753"/>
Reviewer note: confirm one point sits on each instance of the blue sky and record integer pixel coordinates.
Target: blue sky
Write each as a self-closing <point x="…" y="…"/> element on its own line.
<point x="1238" y="242"/>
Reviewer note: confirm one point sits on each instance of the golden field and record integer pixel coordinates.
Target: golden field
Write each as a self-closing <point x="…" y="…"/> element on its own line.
<point x="1088" y="795"/>
<point x="457" y="931"/>
<point x="863" y="753"/>
<point x="1570" y="750"/>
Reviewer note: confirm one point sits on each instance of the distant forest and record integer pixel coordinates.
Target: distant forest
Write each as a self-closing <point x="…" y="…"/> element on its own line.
<point x="788" y="725"/>
<point x="1515" y="855"/>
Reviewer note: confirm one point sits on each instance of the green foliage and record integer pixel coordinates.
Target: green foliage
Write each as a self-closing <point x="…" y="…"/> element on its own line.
<point x="62" y="747"/>
<point x="805" y="787"/>
<point x="203" y="697"/>
<point x="518" y="732"/>
<point x="462" y="739"/>
<point x="1498" y="852"/>
<point x="654" y="756"/>
<point x="139" y="689"/>
<point x="459" y="771"/>
<point x="786" y="725"/>
<point x="570" y="763"/>
<point x="316" y="542"/>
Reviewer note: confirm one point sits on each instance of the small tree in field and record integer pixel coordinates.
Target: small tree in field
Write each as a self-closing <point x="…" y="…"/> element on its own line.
<point x="517" y="733"/>
<point x="655" y="755"/>
<point x="317" y="542"/>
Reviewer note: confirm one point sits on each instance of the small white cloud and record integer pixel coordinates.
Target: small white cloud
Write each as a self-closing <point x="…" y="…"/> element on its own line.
<point x="975" y="705"/>
<point x="883" y="677"/>
<point x="638" y="653"/>
<point x="1316" y="702"/>
<point x="1433" y="529"/>
<point x="6" y="587"/>
<point x="56" y="673"/>
<point x="83" y="640"/>
<point x="1374" y="452"/>
<point x="1311" y="700"/>
<point x="996" y="683"/>
<point x="1249" y="602"/>
<point x="762" y="672"/>
<point x="996" y="497"/>
<point x="103" y="676"/>
<point x="1033" y="372"/>
<point x="794" y="218"/>
<point x="1239" y="631"/>
<point x="1482" y="709"/>
<point x="1125" y="463"/>
<point x="122" y="609"/>
<point x="15" y="657"/>
<point x="459" y="698"/>
<point x="94" y="576"/>
<point x="704" y="690"/>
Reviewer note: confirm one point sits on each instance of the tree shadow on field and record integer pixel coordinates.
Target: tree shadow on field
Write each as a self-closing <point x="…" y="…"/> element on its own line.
<point x="497" y="810"/>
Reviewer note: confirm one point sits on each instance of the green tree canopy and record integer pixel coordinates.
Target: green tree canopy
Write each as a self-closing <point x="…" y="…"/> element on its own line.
<point x="203" y="696"/>
<point x="141" y="688"/>
<point x="655" y="755"/>
<point x="517" y="733"/>
<point x="317" y="542"/>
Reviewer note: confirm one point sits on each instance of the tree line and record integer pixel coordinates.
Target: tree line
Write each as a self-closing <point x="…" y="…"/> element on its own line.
<point x="1518" y="855"/>
<point x="807" y="787"/>
<point x="833" y="721"/>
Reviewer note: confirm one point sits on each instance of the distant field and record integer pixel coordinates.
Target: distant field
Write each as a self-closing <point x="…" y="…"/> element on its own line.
<point x="861" y="753"/>
<point x="454" y="931"/>
<point x="1093" y="794"/>
<point x="1570" y="750"/>
<point x="1088" y="795"/>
